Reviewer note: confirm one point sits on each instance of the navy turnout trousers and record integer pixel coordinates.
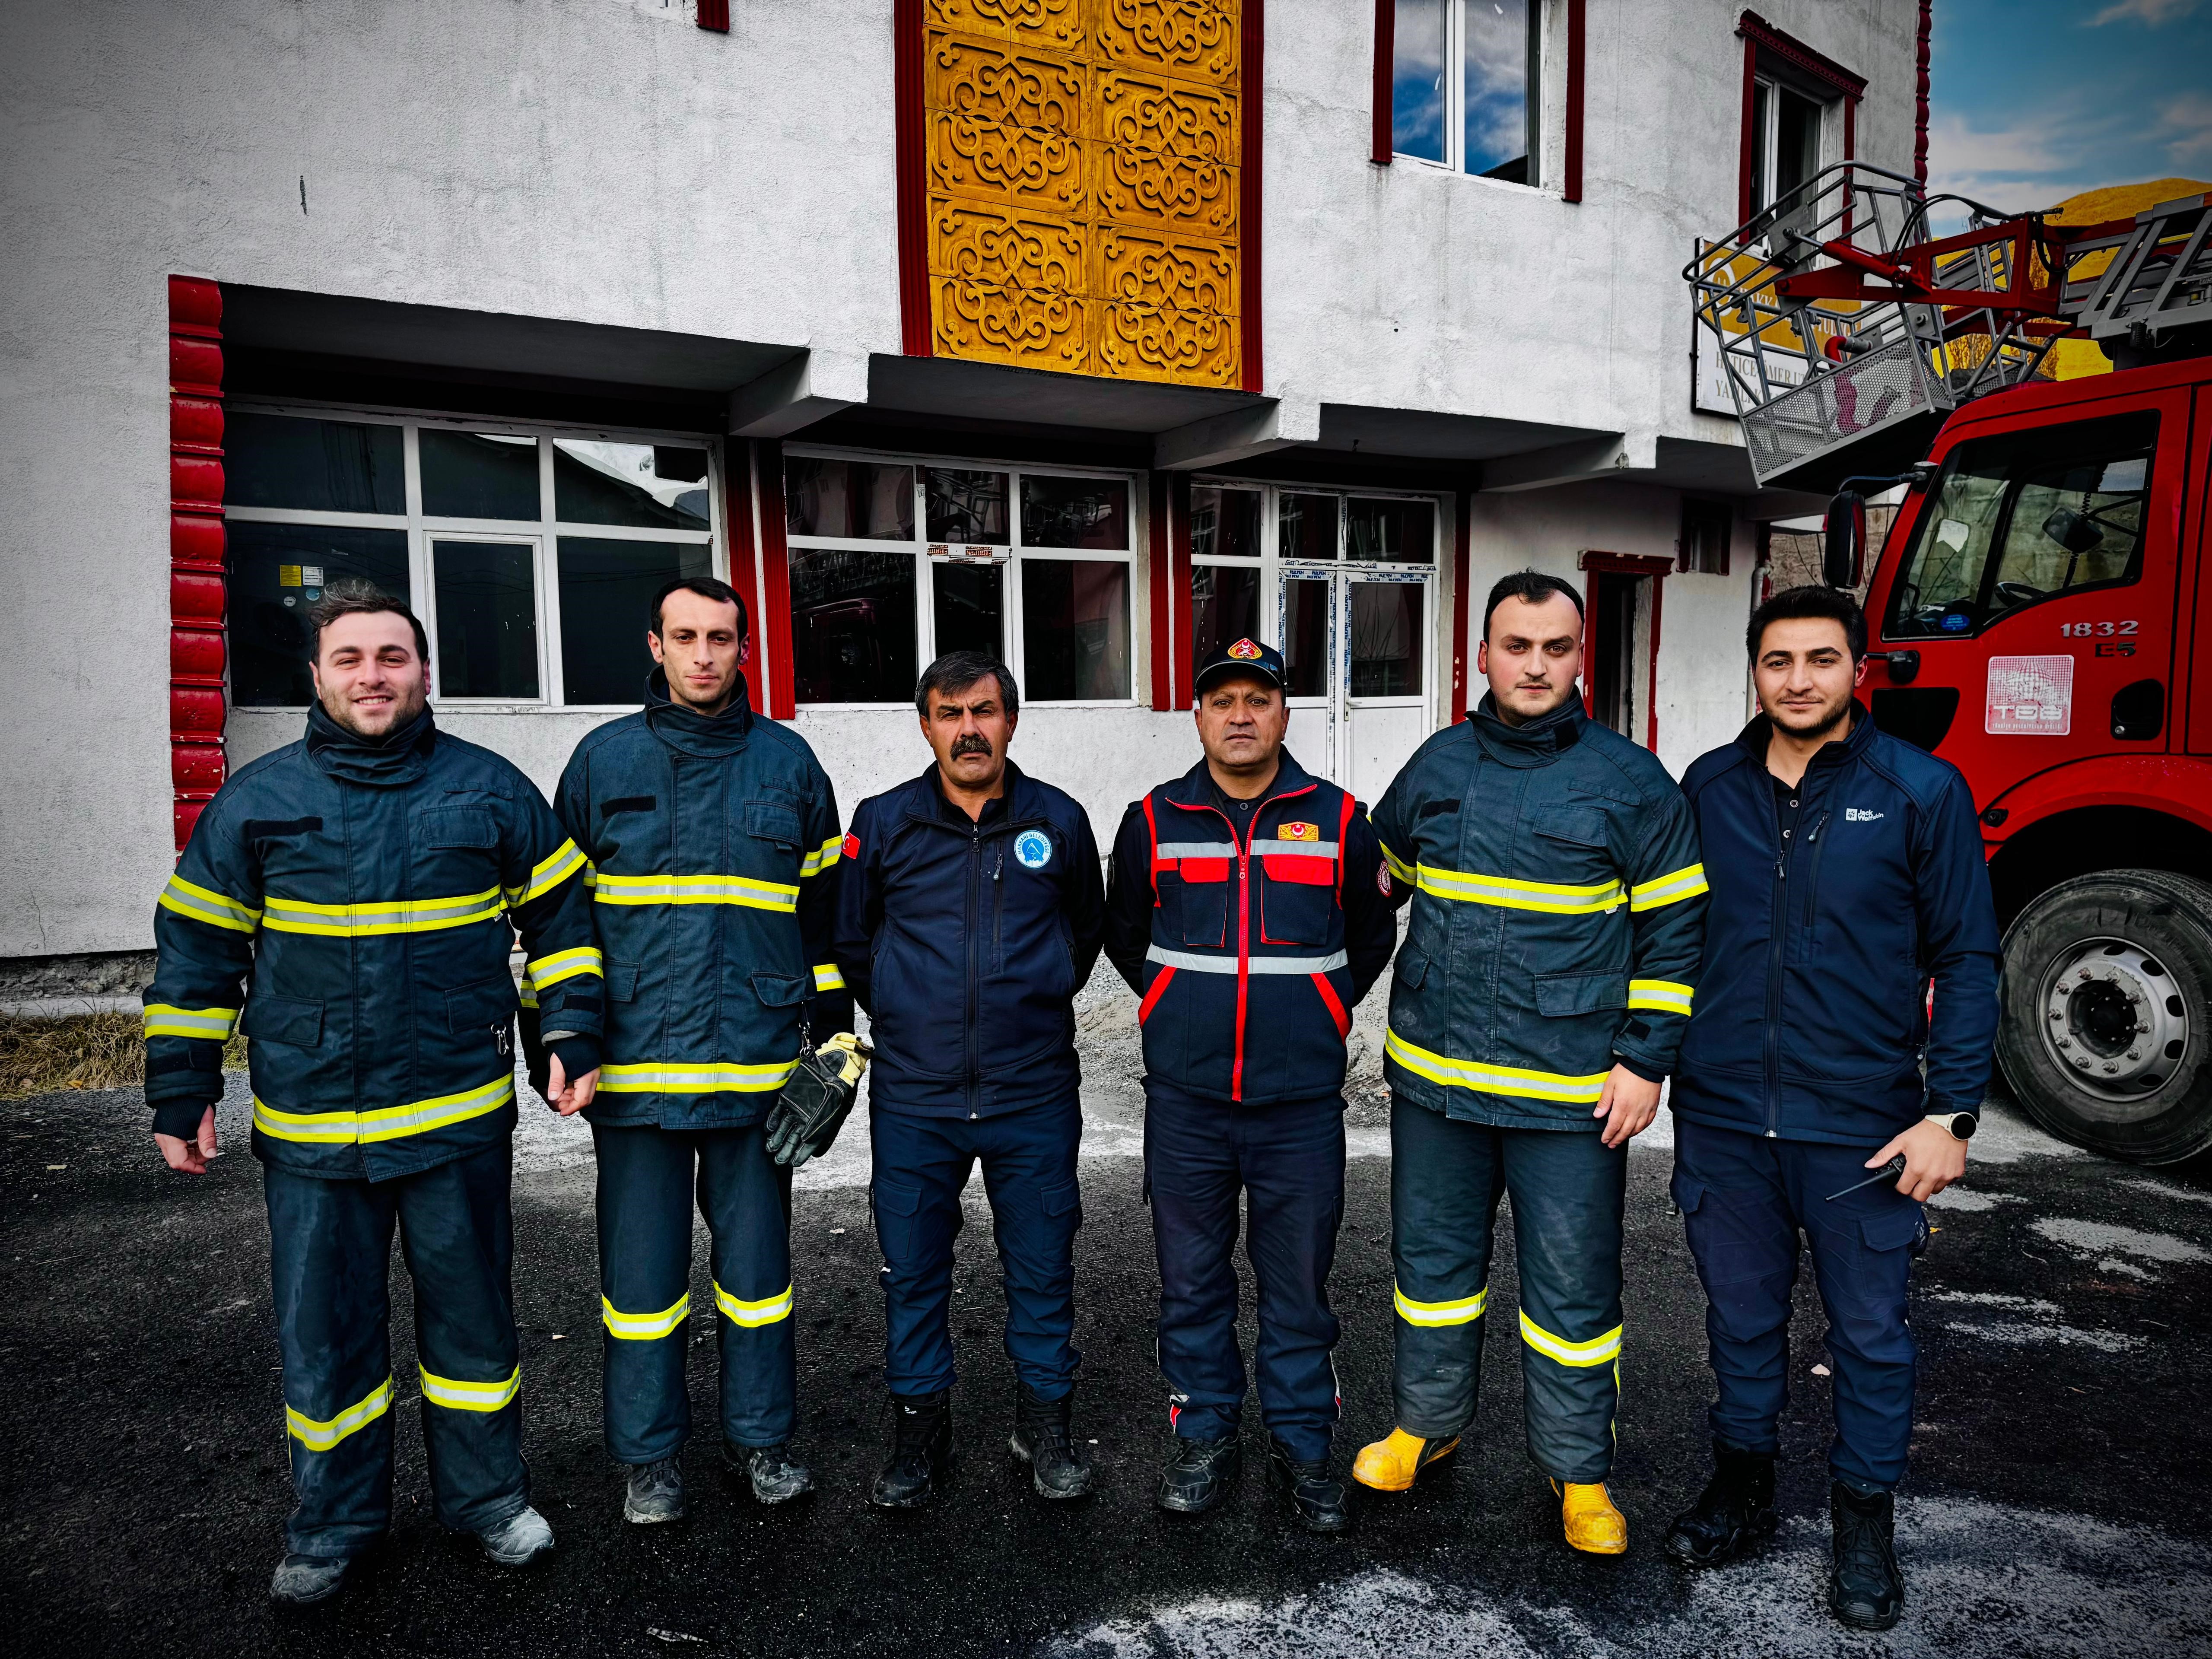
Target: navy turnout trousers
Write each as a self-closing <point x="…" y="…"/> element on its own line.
<point x="647" y="1177"/>
<point x="330" y="1247"/>
<point x="1745" y="1199"/>
<point x="1029" y="1172"/>
<point x="1568" y="1189"/>
<point x="1286" y="1159"/>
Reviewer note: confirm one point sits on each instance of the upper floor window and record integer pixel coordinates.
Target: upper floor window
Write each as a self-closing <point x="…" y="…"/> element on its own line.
<point x="1465" y="90"/>
<point x="1785" y="141"/>
<point x="531" y="558"/>
<point x="894" y="562"/>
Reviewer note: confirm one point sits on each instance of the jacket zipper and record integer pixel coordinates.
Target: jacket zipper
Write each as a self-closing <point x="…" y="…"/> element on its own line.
<point x="998" y="909"/>
<point x="974" y="926"/>
<point x="1812" y="878"/>
<point x="1778" y="933"/>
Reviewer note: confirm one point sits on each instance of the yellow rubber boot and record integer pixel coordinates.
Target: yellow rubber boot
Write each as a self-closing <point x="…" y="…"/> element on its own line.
<point x="1389" y="1465"/>
<point x="1593" y="1525"/>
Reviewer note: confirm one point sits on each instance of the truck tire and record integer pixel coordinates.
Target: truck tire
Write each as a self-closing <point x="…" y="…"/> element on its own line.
<point x="2104" y="1030"/>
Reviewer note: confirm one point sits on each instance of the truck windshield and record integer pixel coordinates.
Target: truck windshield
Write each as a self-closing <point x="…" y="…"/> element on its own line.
<point x="2024" y="516"/>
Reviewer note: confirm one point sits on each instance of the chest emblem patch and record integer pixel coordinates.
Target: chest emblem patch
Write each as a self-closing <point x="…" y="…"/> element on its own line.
<point x="1033" y="849"/>
<point x="1299" y="832"/>
<point x="852" y="846"/>
<point x="1244" y="651"/>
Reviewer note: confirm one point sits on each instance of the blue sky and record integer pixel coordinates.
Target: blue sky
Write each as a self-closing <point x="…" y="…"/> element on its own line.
<point x="2032" y="100"/>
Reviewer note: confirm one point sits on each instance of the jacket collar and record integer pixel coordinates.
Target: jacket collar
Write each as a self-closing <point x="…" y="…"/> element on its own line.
<point x="1023" y="803"/>
<point x="398" y="757"/>
<point x="1538" y="743"/>
<point x="1195" y="787"/>
<point x="1753" y="741"/>
<point x="706" y="737"/>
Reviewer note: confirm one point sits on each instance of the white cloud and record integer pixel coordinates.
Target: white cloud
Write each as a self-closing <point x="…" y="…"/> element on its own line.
<point x="2185" y="124"/>
<point x="2149" y="13"/>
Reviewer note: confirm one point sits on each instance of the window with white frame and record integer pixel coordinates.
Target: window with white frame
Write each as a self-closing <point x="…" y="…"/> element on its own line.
<point x="1785" y="140"/>
<point x="1465" y="86"/>
<point x="531" y="556"/>
<point x="894" y="563"/>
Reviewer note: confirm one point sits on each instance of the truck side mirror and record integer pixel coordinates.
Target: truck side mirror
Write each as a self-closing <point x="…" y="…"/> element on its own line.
<point x="1845" y="554"/>
<point x="2077" y="532"/>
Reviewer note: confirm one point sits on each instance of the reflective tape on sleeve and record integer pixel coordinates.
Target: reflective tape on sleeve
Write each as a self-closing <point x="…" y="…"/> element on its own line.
<point x="1465" y="1310"/>
<point x="827" y="978"/>
<point x="470" y="1396"/>
<point x="214" y="1024"/>
<point x="1670" y="889"/>
<point x="1598" y="1351"/>
<point x="204" y="904"/>
<point x="766" y="1311"/>
<point x="646" y="1326"/>
<point x="544" y="972"/>
<point x="322" y="1436"/>
<point x="1660" y="996"/>
<point x="822" y="857"/>
<point x="549" y="872"/>
<point x="1399" y="868"/>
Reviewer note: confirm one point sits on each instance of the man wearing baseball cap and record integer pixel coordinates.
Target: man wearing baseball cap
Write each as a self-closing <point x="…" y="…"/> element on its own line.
<point x="1249" y="910"/>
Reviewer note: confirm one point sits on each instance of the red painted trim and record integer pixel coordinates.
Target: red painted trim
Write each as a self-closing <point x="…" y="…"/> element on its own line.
<point x="1462" y="666"/>
<point x="1920" y="92"/>
<point x="1386" y="49"/>
<point x="1747" y="159"/>
<point x="1577" y="43"/>
<point x="744" y="559"/>
<point x="911" y="171"/>
<point x="775" y="630"/>
<point x="1183" y="670"/>
<point x="1651" y="679"/>
<point x="714" y="14"/>
<point x="1162" y="621"/>
<point x="1251" y="79"/>
<point x="1598" y="565"/>
<point x="1334" y="1004"/>
<point x="197" y="603"/>
<point x="1850" y="154"/>
<point x="1152" y="996"/>
<point x="1792" y="51"/>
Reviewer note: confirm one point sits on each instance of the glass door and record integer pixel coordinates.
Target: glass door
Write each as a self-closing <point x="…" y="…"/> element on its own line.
<point x="1306" y="622"/>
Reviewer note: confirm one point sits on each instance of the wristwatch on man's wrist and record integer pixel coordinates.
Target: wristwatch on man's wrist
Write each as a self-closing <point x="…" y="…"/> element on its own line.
<point x="1961" y="1125"/>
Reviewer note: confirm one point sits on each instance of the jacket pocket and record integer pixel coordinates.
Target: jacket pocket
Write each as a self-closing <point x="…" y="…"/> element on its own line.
<point x="1577" y="826"/>
<point x="771" y="820"/>
<point x="1197" y="901"/>
<point x="485" y="1002"/>
<point x="779" y="990"/>
<point x="1558" y="995"/>
<point x="621" y="979"/>
<point x="1297" y="896"/>
<point x="1412" y="968"/>
<point x="437" y="828"/>
<point x="1687" y="1194"/>
<point x="282" y="1019"/>
<point x="1905" y="1228"/>
<point x="1067" y="1198"/>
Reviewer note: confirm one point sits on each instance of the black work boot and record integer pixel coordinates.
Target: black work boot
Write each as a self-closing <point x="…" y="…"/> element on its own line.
<point x="774" y="1474"/>
<point x="1042" y="1439"/>
<point x="1200" y="1474"/>
<point x="654" y="1493"/>
<point x="1865" y="1589"/>
<point x="1733" y="1513"/>
<point x="920" y="1462"/>
<point x="300" y="1581"/>
<point x="1309" y="1491"/>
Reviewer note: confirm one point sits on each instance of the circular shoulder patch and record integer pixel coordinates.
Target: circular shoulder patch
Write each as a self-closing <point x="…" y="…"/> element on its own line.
<point x="1033" y="849"/>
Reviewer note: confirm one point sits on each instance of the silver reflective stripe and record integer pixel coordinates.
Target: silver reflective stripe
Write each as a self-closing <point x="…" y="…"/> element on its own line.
<point x="1258" y="964"/>
<point x="1308" y="849"/>
<point x="1196" y="849"/>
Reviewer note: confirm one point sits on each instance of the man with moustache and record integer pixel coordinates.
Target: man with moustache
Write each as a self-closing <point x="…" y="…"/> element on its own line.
<point x="358" y="893"/>
<point x="969" y="916"/>
<point x="713" y="835"/>
<point x="1249" y="912"/>
<point x="1559" y="903"/>
<point x="1848" y="877"/>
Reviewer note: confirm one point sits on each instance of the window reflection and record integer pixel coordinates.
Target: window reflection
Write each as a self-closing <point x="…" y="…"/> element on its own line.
<point x="1075" y="629"/>
<point x="970" y="607"/>
<point x="1225" y="607"/>
<point x="1497" y="50"/>
<point x="1306" y="526"/>
<point x="1417" y="79"/>
<point x="645" y="486"/>
<point x="966" y="508"/>
<point x="487" y="619"/>
<point x="477" y="475"/>
<point x="275" y="571"/>
<point x="852" y="625"/>
<point x="1224" y="523"/>
<point x="1305" y="636"/>
<point x="1401" y="532"/>
<point x="315" y="467"/>
<point x="606" y="605"/>
<point x="1091" y="513"/>
<point x="1386" y="639"/>
<point x="852" y="500"/>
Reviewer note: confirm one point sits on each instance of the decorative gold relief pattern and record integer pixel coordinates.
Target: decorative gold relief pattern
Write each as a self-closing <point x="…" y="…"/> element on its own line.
<point x="1082" y="169"/>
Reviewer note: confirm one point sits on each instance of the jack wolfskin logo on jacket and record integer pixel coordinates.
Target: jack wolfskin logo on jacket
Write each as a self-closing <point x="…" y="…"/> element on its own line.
<point x="1859" y="815"/>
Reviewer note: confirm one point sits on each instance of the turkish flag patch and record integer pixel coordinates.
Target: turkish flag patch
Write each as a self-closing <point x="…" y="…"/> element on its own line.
<point x="852" y="847"/>
<point x="1382" y="878"/>
<point x="1299" y="832"/>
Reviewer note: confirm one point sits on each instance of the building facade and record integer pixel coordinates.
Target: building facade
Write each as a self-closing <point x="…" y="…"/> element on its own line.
<point x="1093" y="331"/>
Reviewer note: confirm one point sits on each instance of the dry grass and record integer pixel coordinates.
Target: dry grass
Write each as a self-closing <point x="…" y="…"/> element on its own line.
<point x="83" y="1051"/>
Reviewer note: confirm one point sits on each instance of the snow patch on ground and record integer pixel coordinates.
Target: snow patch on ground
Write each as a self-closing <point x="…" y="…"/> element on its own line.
<point x="1958" y="1198"/>
<point x="2094" y="1238"/>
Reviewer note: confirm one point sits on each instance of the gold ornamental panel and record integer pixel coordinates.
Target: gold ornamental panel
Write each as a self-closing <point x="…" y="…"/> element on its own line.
<point x="1082" y="168"/>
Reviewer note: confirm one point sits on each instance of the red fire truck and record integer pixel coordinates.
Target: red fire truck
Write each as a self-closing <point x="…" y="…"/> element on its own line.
<point x="2041" y="612"/>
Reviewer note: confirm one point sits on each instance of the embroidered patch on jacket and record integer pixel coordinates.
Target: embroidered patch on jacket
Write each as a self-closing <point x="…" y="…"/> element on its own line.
<point x="1033" y="849"/>
<point x="852" y="847"/>
<point x="1244" y="651"/>
<point x="1299" y="832"/>
<point x="1382" y="878"/>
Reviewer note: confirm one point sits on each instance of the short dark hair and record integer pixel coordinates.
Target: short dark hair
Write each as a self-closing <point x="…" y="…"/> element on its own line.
<point x="1529" y="586"/>
<point x="354" y="596"/>
<point x="707" y="587"/>
<point x="955" y="670"/>
<point x="1809" y="604"/>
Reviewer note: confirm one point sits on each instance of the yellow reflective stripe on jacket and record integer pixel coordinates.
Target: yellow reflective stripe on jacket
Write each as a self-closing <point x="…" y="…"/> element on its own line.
<point x="384" y="1122"/>
<point x="827" y="978"/>
<point x="1464" y="1311"/>
<point x="644" y="1328"/>
<point x="548" y="873"/>
<point x="654" y="1077"/>
<point x="1550" y="898"/>
<point x="1669" y="889"/>
<point x="1494" y="1079"/>
<point x="544" y="972"/>
<point x="203" y="904"/>
<point x="1598" y="1351"/>
<point x="822" y="857"/>
<point x="526" y="990"/>
<point x="766" y="1311"/>
<point x="369" y="918"/>
<point x="1399" y="868"/>
<point x="216" y="1025"/>
<point x="695" y="890"/>
<point x="1660" y="996"/>
<point x="469" y="1396"/>
<point x="321" y="1437"/>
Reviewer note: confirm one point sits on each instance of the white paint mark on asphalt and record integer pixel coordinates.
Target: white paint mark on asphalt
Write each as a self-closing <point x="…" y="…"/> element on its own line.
<point x="1982" y="1580"/>
<point x="1994" y="1299"/>
<point x="2005" y="1136"/>
<point x="2166" y="1191"/>
<point x="1958" y="1198"/>
<point x="2071" y="1336"/>
<point x="2112" y="1264"/>
<point x="2093" y="1238"/>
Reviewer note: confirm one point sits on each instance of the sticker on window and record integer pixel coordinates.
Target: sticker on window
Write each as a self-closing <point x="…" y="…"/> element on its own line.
<point x="2030" y="697"/>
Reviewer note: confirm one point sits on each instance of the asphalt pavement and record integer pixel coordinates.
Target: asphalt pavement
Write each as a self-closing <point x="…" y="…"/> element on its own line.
<point x="2057" y="1503"/>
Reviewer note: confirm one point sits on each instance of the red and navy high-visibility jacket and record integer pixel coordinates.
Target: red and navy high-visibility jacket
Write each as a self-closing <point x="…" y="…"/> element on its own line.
<point x="1250" y="945"/>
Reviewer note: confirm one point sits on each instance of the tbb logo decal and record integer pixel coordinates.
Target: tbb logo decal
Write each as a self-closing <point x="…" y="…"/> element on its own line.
<point x="1033" y="849"/>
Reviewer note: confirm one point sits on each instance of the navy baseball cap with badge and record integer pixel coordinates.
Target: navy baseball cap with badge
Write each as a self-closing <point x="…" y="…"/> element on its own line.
<point x="1245" y="659"/>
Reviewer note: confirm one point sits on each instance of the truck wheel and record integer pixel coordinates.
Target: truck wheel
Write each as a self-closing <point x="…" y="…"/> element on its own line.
<point x="2105" y="1027"/>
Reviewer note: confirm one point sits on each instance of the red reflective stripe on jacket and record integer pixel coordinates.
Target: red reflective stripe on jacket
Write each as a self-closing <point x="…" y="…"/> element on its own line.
<point x="1152" y="849"/>
<point x="1343" y="830"/>
<point x="1152" y="997"/>
<point x="1334" y="1004"/>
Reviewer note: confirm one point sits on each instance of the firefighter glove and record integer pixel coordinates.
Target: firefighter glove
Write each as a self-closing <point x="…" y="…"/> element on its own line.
<point x="817" y="1100"/>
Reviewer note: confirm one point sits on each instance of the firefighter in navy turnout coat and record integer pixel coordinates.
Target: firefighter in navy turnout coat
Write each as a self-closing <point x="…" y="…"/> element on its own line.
<point x="713" y="837"/>
<point x="1537" y="1003"/>
<point x="356" y="895"/>
<point x="969" y="916"/>
<point x="1250" y="912"/>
